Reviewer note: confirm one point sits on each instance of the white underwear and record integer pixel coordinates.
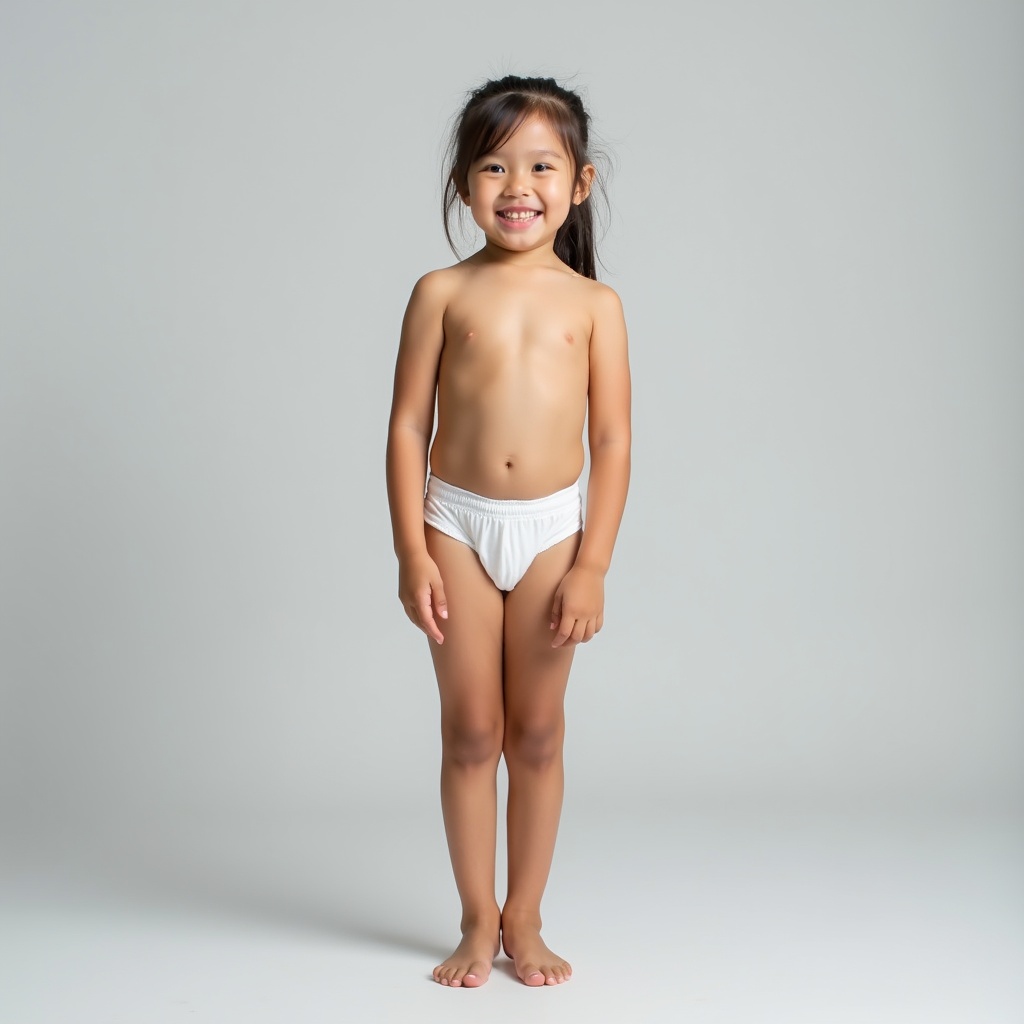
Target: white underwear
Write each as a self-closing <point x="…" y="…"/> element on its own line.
<point x="506" y="533"/>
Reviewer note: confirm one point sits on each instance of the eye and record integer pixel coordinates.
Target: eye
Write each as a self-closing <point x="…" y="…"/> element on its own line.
<point x="493" y="168"/>
<point x="542" y="167"/>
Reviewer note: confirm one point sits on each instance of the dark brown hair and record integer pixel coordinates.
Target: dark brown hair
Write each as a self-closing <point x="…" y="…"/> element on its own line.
<point x="491" y="115"/>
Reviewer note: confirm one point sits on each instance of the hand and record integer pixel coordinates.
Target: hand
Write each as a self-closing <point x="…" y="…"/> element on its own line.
<point x="577" y="611"/>
<point x="422" y="594"/>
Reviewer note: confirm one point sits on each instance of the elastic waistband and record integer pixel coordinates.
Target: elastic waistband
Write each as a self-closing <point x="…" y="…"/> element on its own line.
<point x="506" y="508"/>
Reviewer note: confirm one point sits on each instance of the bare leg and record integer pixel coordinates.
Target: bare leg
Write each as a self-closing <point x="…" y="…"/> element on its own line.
<point x="468" y="668"/>
<point x="535" y="682"/>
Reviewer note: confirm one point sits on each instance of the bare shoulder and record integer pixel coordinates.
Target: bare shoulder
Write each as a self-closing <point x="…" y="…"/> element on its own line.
<point x="436" y="286"/>
<point x="606" y="297"/>
<point x="422" y="326"/>
<point x="600" y="297"/>
<point x="605" y="304"/>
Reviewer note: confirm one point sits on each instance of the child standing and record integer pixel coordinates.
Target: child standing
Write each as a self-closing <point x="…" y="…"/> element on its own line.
<point x="519" y="346"/>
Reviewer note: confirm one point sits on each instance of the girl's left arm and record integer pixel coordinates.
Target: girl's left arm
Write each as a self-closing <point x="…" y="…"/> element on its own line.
<point x="578" y="609"/>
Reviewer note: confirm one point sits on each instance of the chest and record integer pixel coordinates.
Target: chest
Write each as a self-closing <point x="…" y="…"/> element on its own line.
<point x="485" y="325"/>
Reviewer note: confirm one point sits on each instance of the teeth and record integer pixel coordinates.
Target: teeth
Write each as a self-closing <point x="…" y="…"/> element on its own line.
<point x="516" y="215"/>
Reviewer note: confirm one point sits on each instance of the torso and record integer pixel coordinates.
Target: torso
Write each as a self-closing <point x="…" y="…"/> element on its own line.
<point x="513" y="380"/>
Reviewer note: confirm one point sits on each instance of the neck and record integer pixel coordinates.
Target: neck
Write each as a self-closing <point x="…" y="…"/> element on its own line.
<point x="543" y="256"/>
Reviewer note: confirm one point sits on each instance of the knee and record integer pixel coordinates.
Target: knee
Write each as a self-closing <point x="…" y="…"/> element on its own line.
<point x="534" y="744"/>
<point x="466" y="742"/>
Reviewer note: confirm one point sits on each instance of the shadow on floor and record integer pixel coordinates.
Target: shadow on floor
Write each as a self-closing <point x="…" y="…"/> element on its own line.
<point x="354" y="886"/>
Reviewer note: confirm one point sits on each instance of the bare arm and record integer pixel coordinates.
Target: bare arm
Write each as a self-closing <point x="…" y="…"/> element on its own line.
<point x="578" y="609"/>
<point x="412" y="420"/>
<point x="609" y="435"/>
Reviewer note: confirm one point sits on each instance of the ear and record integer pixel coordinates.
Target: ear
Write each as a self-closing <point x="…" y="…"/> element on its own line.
<point x="586" y="180"/>
<point x="461" y="188"/>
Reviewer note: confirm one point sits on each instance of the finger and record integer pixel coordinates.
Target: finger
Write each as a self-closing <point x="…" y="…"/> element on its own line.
<point x="556" y="609"/>
<point x="588" y="633"/>
<point x="426" y="619"/>
<point x="579" y="630"/>
<point x="564" y="631"/>
<point x="440" y="601"/>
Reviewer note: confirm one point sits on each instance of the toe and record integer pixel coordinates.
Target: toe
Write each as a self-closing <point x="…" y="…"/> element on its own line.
<point x="532" y="975"/>
<point x="474" y="976"/>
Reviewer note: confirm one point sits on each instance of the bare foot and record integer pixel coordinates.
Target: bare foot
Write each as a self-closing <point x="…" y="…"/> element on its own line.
<point x="470" y="964"/>
<point x="535" y="964"/>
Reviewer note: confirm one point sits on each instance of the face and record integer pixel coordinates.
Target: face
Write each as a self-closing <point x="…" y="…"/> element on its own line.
<point x="520" y="194"/>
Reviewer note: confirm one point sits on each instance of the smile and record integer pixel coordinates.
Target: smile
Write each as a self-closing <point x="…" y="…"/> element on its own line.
<point x="519" y="215"/>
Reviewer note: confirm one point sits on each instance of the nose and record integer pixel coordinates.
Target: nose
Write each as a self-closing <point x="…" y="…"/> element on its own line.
<point x="518" y="184"/>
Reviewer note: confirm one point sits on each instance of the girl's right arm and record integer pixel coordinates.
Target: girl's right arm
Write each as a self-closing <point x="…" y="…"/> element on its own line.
<point x="412" y="422"/>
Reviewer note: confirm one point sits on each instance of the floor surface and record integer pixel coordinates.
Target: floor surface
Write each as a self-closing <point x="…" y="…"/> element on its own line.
<point x="680" y="916"/>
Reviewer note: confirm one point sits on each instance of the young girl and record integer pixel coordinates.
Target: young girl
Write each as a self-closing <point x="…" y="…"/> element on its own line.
<point x="518" y="345"/>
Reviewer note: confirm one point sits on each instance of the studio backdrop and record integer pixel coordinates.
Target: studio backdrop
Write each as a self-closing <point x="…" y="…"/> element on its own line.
<point x="212" y="217"/>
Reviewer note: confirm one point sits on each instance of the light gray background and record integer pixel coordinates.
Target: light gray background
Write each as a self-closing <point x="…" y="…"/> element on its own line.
<point x="212" y="217"/>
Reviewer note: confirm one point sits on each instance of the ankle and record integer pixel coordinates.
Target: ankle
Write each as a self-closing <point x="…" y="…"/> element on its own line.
<point x="480" y="917"/>
<point x="526" y="916"/>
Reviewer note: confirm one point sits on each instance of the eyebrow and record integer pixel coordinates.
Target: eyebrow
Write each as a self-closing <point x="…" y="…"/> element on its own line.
<point x="532" y="153"/>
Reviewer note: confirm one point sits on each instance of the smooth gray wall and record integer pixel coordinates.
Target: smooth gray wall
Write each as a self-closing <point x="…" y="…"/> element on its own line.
<point x="212" y="216"/>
